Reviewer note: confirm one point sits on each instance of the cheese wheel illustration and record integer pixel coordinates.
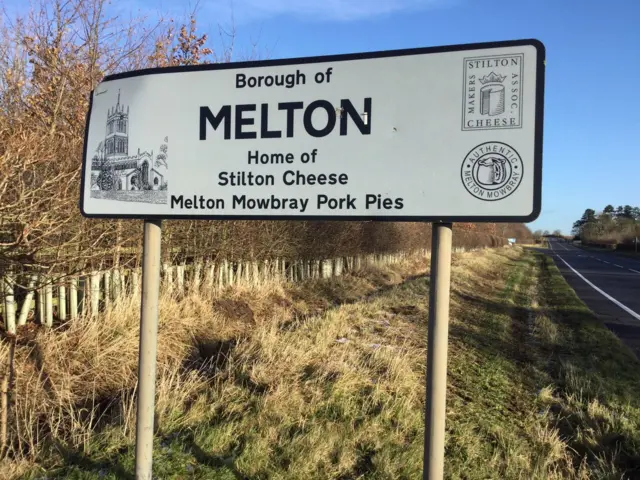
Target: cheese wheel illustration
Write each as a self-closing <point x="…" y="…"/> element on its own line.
<point x="492" y="100"/>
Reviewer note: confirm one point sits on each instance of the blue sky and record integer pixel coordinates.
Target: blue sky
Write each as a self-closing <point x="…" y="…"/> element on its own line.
<point x="592" y="105"/>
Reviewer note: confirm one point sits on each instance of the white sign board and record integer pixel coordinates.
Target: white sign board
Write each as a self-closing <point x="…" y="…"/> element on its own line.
<point x="447" y="133"/>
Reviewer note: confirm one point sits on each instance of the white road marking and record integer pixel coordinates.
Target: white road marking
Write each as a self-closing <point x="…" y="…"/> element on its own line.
<point x="636" y="271"/>
<point x="606" y="262"/>
<point x="616" y="265"/>
<point x="606" y="295"/>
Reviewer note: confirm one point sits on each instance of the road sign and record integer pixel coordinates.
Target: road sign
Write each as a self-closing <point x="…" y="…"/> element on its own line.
<point x="438" y="134"/>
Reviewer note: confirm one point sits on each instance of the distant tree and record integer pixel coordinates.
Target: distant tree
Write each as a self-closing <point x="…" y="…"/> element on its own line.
<point x="588" y="216"/>
<point x="557" y="233"/>
<point x="546" y="233"/>
<point x="614" y="226"/>
<point x="537" y="236"/>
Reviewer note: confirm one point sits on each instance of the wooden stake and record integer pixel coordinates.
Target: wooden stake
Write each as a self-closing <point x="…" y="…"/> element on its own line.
<point x="62" y="302"/>
<point x="48" y="295"/>
<point x="73" y="297"/>
<point x="26" y="306"/>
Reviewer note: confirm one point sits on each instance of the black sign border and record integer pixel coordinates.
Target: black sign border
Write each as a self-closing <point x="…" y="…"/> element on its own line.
<point x="537" y="154"/>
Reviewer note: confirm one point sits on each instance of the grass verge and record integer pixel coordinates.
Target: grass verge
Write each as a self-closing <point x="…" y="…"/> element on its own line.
<point x="326" y="381"/>
<point x="595" y="398"/>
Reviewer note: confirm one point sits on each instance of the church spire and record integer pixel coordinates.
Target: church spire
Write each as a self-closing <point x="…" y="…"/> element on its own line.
<point x="118" y="102"/>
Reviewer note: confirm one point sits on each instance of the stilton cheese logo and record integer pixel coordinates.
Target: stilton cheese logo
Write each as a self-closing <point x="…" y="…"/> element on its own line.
<point x="492" y="92"/>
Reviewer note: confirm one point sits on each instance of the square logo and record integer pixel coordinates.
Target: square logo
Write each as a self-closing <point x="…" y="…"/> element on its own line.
<point x="492" y="92"/>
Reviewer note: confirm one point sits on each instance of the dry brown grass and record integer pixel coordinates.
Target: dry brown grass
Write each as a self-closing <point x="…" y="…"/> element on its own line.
<point x="319" y="380"/>
<point x="76" y="382"/>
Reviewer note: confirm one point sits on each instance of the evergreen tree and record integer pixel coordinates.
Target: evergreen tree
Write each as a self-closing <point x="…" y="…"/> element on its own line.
<point x="588" y="216"/>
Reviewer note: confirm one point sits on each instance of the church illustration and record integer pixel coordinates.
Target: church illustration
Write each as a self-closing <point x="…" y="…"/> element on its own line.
<point x="116" y="175"/>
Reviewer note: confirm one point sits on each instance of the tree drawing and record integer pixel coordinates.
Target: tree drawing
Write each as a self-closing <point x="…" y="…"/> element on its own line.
<point x="106" y="180"/>
<point x="162" y="157"/>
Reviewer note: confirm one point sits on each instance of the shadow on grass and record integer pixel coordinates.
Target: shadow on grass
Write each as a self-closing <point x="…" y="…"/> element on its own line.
<point x="77" y="462"/>
<point x="76" y="458"/>
<point x="209" y="460"/>
<point x="328" y="291"/>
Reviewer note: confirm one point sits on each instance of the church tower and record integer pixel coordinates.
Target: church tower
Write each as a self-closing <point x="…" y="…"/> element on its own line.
<point x="116" y="143"/>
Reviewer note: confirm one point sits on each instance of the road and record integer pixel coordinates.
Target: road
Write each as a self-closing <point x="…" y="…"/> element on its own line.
<point x="607" y="283"/>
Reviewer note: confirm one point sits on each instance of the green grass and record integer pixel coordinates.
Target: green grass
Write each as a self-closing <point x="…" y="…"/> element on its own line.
<point x="538" y="388"/>
<point x="596" y="396"/>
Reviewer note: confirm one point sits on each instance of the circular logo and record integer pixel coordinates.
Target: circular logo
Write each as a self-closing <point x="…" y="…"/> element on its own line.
<point x="492" y="171"/>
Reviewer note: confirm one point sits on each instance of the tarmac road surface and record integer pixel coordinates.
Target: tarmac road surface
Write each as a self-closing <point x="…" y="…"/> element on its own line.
<point x="609" y="284"/>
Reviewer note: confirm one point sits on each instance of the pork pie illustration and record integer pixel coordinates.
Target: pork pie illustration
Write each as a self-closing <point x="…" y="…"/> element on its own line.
<point x="491" y="170"/>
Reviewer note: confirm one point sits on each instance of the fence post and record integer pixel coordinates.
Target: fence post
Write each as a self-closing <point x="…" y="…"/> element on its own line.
<point x="40" y="303"/>
<point x="135" y="282"/>
<point x="95" y="293"/>
<point x="107" y="289"/>
<point x="62" y="302"/>
<point x="73" y="297"/>
<point x="9" y="304"/>
<point x="26" y="306"/>
<point x="221" y="275"/>
<point x="117" y="284"/>
<point x="211" y="273"/>
<point x="48" y="295"/>
<point x="196" y="275"/>
<point x="180" y="275"/>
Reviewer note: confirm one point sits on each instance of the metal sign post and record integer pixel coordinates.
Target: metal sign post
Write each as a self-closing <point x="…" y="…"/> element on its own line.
<point x="148" y="348"/>
<point x="437" y="351"/>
